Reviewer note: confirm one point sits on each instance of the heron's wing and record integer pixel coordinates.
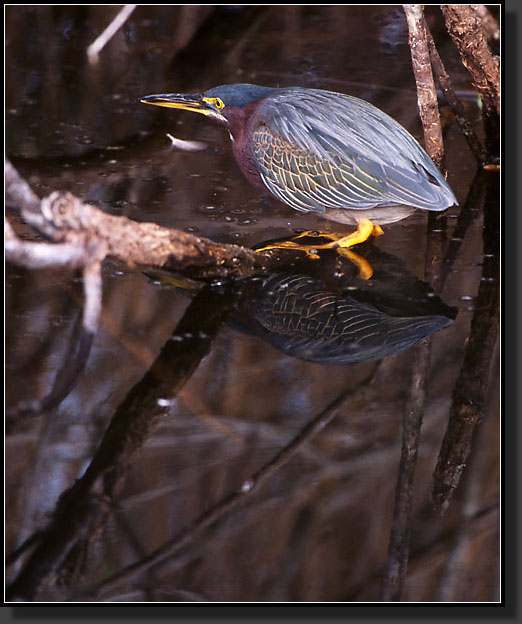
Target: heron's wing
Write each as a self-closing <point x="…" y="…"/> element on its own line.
<point x="307" y="181"/>
<point x="317" y="150"/>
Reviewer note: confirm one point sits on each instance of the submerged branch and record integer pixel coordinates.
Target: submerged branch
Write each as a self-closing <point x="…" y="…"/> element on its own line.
<point x="471" y="386"/>
<point x="82" y="511"/>
<point x="82" y="237"/>
<point x="399" y="544"/>
<point x="392" y="582"/>
<point x="230" y="502"/>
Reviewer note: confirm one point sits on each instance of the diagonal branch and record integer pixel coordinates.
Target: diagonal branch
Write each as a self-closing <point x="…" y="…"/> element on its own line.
<point x="454" y="103"/>
<point x="470" y="389"/>
<point x="82" y="237"/>
<point x="65" y="219"/>
<point x="230" y="502"/>
<point x="83" y="510"/>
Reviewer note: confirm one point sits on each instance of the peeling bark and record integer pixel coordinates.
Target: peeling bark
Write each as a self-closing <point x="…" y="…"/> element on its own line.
<point x="465" y="27"/>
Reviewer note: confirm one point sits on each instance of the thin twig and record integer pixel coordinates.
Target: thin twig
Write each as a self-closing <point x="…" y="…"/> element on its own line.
<point x="454" y="103"/>
<point x="32" y="255"/>
<point x="470" y="210"/>
<point x="44" y="255"/>
<point x="99" y="43"/>
<point x="31" y="541"/>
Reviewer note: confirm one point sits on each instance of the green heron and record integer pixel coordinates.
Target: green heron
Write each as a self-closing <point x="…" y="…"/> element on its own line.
<point x="323" y="152"/>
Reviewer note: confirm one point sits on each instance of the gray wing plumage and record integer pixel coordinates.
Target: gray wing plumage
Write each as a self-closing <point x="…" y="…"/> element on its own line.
<point x="317" y="150"/>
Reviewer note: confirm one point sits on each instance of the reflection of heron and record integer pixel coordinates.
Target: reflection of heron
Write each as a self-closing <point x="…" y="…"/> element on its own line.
<point x="324" y="152"/>
<point x="322" y="311"/>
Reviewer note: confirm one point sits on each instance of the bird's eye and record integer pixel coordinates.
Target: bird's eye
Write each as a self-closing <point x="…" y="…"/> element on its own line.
<point x="214" y="102"/>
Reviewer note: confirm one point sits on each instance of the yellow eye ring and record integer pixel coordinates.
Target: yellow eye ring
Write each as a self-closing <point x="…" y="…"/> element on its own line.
<point x="216" y="102"/>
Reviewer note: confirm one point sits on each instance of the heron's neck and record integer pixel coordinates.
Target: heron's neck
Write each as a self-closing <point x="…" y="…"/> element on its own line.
<point x="239" y="130"/>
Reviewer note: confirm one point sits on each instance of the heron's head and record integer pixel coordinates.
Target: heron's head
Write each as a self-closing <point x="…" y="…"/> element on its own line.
<point x="220" y="103"/>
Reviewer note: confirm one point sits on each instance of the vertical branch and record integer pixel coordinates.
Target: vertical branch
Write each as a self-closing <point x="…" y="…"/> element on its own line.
<point x="471" y="387"/>
<point x="454" y="103"/>
<point x="399" y="543"/>
<point x="465" y="27"/>
<point x="489" y="23"/>
<point x="398" y="548"/>
<point x="426" y="94"/>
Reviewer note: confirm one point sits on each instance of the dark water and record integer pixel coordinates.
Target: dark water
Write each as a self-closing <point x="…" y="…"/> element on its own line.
<point x="318" y="531"/>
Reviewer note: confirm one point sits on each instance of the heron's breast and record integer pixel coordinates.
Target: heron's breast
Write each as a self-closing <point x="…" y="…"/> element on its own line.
<point x="244" y="155"/>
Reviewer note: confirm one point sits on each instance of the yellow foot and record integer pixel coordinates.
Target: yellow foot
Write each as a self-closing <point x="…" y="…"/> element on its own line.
<point x="340" y="242"/>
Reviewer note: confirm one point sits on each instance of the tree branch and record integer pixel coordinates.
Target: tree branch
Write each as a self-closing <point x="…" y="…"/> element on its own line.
<point x="230" y="502"/>
<point x="471" y="386"/>
<point x="81" y="512"/>
<point x="64" y="218"/>
<point x="82" y="237"/>
<point x="454" y="103"/>
<point x="395" y="569"/>
<point x="426" y="93"/>
<point x="465" y="27"/>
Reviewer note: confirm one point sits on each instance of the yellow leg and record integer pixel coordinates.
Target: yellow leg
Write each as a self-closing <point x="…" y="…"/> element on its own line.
<point x="341" y="243"/>
<point x="364" y="230"/>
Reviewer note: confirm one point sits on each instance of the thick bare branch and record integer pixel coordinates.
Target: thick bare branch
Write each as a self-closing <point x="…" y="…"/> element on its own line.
<point x="465" y="27"/>
<point x="426" y="93"/>
<point x="489" y="23"/>
<point x="66" y="219"/>
<point x="83" y="237"/>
